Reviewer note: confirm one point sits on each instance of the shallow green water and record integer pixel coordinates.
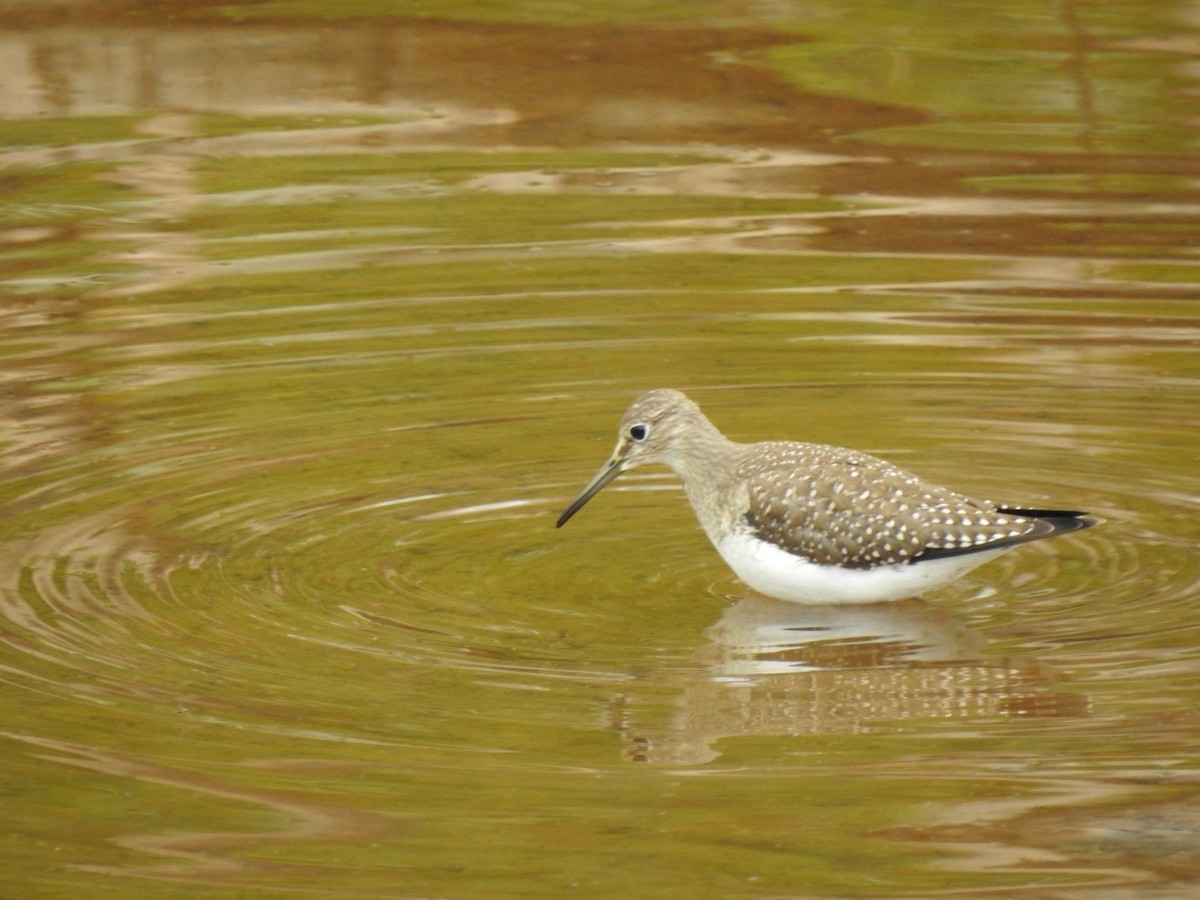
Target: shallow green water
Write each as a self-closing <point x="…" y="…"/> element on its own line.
<point x="309" y="331"/>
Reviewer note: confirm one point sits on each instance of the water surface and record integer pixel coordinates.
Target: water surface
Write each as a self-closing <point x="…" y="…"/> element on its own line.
<point x="313" y="319"/>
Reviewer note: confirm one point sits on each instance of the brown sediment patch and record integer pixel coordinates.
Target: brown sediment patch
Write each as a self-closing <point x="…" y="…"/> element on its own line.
<point x="456" y="85"/>
<point x="567" y="85"/>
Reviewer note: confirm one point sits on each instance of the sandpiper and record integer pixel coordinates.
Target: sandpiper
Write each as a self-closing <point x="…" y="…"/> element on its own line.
<point x="812" y="523"/>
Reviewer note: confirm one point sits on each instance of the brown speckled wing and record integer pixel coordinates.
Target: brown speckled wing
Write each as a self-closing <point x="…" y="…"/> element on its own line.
<point x="834" y="506"/>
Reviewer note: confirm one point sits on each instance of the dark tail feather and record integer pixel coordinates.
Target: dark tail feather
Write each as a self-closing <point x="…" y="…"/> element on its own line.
<point x="1047" y="523"/>
<point x="1054" y="521"/>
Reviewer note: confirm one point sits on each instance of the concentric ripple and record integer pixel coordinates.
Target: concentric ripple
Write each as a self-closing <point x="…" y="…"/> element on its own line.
<point x="288" y="409"/>
<point x="356" y="533"/>
<point x="294" y="573"/>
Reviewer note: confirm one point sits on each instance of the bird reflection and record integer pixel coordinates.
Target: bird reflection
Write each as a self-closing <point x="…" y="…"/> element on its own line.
<point x="772" y="668"/>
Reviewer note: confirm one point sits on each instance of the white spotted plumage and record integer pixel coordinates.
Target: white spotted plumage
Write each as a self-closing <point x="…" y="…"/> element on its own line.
<point x="817" y="523"/>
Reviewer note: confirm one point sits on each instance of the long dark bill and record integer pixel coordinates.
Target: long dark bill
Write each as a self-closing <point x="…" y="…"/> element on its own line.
<point x="607" y="473"/>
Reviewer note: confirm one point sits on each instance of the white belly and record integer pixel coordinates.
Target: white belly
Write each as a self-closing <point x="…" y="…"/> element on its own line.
<point x="776" y="573"/>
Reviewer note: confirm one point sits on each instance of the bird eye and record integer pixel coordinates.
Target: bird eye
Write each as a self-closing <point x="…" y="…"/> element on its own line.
<point x="639" y="432"/>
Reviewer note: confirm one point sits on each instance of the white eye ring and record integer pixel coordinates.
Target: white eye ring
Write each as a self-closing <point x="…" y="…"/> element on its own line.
<point x="639" y="432"/>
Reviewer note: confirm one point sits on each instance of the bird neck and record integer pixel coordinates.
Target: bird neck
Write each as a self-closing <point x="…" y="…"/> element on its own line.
<point x="701" y="452"/>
